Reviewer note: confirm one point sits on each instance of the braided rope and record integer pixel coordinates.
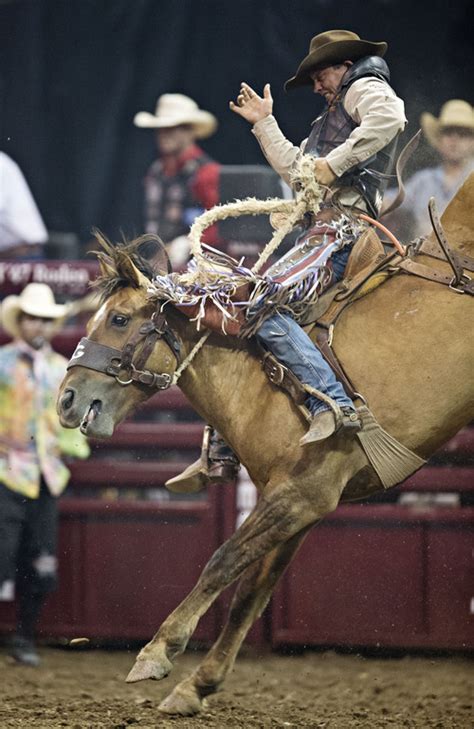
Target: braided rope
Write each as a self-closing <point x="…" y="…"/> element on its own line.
<point x="187" y="361"/>
<point x="308" y="198"/>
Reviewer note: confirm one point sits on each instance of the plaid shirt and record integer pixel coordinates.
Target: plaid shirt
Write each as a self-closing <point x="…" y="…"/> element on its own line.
<point x="31" y="437"/>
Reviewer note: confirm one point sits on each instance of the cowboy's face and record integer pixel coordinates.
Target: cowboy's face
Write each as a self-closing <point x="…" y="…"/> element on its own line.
<point x="326" y="81"/>
<point x="455" y="144"/>
<point x="174" y="140"/>
<point x="35" y="330"/>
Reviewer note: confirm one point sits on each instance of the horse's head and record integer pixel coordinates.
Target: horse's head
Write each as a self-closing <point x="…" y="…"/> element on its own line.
<point x="129" y="352"/>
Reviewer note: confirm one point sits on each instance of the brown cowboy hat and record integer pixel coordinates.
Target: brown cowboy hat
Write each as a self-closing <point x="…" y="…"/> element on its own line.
<point x="331" y="48"/>
<point x="454" y="113"/>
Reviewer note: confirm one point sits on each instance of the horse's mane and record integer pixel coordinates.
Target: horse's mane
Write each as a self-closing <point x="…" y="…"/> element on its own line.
<point x="114" y="275"/>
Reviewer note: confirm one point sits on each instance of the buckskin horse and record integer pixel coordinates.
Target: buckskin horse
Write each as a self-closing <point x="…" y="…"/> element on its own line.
<point x="406" y="348"/>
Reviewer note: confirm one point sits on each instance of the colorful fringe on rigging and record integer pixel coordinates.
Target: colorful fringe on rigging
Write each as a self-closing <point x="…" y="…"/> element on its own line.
<point x="291" y="285"/>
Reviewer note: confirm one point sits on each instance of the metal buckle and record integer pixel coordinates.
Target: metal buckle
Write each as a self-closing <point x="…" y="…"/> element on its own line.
<point x="360" y="397"/>
<point x="168" y="380"/>
<point x="124" y="383"/>
<point x="464" y="279"/>
<point x="114" y="367"/>
<point x="275" y="372"/>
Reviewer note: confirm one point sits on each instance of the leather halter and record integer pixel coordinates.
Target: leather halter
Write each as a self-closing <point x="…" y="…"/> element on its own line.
<point x="112" y="361"/>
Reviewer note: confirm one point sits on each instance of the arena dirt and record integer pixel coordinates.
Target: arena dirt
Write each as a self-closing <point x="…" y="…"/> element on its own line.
<point x="85" y="689"/>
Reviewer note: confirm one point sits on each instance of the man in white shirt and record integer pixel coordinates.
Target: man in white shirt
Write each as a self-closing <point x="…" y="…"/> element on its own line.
<point x="22" y="231"/>
<point x="353" y="142"/>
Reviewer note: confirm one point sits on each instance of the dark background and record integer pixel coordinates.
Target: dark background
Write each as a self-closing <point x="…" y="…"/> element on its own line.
<point x="74" y="72"/>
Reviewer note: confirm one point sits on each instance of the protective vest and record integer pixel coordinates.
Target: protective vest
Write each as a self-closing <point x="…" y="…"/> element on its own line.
<point x="170" y="207"/>
<point x="334" y="125"/>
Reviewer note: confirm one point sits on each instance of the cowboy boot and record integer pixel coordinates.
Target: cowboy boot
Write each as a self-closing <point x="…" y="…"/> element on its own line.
<point x="325" y="424"/>
<point x="218" y="464"/>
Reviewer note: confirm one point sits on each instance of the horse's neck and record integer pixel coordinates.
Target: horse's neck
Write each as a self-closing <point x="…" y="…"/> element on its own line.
<point x="216" y="378"/>
<point x="227" y="387"/>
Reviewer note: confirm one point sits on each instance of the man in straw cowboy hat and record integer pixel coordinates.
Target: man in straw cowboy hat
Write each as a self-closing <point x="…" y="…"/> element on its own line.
<point x="32" y="474"/>
<point x="452" y="136"/>
<point x="183" y="181"/>
<point x="353" y="143"/>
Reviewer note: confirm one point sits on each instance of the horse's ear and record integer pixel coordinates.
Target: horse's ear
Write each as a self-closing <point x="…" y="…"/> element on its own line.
<point x="153" y="250"/>
<point x="127" y="270"/>
<point x="106" y="265"/>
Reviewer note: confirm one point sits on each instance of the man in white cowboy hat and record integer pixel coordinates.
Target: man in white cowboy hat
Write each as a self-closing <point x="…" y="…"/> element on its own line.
<point x="353" y="143"/>
<point x="452" y="136"/>
<point x="184" y="180"/>
<point x="32" y="474"/>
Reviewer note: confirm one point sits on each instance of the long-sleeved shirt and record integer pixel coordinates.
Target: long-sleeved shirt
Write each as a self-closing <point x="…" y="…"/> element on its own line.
<point x="20" y="220"/>
<point x="31" y="436"/>
<point x="379" y="115"/>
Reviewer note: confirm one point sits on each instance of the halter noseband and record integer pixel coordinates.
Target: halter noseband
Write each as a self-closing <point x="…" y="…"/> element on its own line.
<point x="111" y="361"/>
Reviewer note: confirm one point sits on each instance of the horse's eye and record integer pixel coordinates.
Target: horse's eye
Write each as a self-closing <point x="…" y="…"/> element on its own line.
<point x="119" y="320"/>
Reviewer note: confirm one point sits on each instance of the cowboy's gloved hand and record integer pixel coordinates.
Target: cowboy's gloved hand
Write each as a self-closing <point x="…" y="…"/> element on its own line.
<point x="323" y="173"/>
<point x="251" y="106"/>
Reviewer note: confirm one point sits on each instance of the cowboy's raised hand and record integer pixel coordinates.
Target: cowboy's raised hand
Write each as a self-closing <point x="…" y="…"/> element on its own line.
<point x="250" y="105"/>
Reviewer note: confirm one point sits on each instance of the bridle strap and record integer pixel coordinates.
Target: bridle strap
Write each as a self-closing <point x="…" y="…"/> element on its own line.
<point x="112" y="361"/>
<point x="108" y="361"/>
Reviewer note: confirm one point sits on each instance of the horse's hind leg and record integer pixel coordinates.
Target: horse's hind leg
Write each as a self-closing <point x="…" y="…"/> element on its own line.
<point x="253" y="593"/>
<point x="271" y="523"/>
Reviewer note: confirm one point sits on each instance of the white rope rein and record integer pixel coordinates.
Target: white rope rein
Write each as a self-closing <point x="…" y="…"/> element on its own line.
<point x="187" y="361"/>
<point x="308" y="198"/>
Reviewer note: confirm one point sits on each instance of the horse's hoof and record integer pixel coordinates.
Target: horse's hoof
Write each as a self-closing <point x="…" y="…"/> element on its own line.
<point x="145" y="668"/>
<point x="181" y="702"/>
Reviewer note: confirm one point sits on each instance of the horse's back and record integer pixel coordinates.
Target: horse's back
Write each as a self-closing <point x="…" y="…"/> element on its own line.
<point x="406" y="346"/>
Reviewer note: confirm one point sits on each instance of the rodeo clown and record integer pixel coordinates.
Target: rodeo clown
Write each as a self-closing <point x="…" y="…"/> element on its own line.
<point x="353" y="142"/>
<point x="32" y="446"/>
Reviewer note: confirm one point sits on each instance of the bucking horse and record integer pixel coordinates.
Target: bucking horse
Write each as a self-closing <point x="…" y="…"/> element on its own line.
<point x="407" y="349"/>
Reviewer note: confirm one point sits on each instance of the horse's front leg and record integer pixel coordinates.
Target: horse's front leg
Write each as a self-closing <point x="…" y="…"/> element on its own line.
<point x="252" y="595"/>
<point x="271" y="523"/>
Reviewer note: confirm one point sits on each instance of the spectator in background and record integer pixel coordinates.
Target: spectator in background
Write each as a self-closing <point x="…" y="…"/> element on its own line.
<point x="32" y="474"/>
<point x="184" y="180"/>
<point x="22" y="231"/>
<point x="452" y="136"/>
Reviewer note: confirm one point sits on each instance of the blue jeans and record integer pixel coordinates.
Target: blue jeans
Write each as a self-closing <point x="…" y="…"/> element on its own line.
<point x="292" y="347"/>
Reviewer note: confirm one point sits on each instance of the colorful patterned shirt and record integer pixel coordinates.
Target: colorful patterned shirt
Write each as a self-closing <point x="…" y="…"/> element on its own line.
<point x="31" y="437"/>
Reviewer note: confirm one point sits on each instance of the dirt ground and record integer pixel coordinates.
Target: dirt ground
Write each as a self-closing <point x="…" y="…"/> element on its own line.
<point x="85" y="689"/>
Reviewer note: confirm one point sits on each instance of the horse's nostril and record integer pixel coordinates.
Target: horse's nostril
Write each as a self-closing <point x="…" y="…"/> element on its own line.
<point x="96" y="407"/>
<point x="67" y="399"/>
